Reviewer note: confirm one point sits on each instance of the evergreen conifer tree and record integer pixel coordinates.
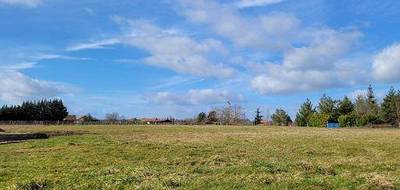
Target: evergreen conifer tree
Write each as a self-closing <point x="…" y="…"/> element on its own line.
<point x="305" y="112"/>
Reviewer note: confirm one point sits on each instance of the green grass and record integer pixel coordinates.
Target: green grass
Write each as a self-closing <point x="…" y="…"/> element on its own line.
<point x="181" y="157"/>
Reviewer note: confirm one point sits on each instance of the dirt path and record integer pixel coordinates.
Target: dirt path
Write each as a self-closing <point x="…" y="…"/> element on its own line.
<point x="6" y="137"/>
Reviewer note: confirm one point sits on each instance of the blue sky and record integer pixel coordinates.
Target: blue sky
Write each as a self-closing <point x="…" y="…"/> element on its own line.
<point x="179" y="57"/>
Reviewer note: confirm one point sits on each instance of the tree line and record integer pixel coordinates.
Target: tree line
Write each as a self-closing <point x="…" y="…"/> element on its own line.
<point x="364" y="111"/>
<point x="43" y="110"/>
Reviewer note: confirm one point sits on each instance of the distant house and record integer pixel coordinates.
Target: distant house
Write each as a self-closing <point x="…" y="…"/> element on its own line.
<point x="156" y="121"/>
<point x="70" y="119"/>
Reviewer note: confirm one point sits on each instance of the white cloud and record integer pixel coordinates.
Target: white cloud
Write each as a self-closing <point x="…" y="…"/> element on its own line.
<point x="282" y="80"/>
<point x="176" y="81"/>
<point x="386" y="65"/>
<point x="93" y="45"/>
<point x="175" y="51"/>
<point x="27" y="3"/>
<point x="319" y="65"/>
<point x="302" y="58"/>
<point x="20" y="66"/>
<point x="255" y="3"/>
<point x="312" y="57"/>
<point x="15" y="87"/>
<point x="56" y="56"/>
<point x="196" y="97"/>
<point x="168" y="48"/>
<point x="269" y="32"/>
<point x="321" y="55"/>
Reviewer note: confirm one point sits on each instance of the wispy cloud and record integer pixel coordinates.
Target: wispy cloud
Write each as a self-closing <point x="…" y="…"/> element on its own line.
<point x="57" y="56"/>
<point x="256" y="3"/>
<point x="26" y="3"/>
<point x="176" y="81"/>
<point x="93" y="45"/>
<point x="18" y="66"/>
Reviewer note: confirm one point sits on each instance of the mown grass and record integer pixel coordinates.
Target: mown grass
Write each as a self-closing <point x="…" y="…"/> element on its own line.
<point x="202" y="157"/>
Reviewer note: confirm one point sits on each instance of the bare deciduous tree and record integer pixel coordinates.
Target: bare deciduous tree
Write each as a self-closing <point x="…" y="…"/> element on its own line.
<point x="113" y="116"/>
<point x="230" y="114"/>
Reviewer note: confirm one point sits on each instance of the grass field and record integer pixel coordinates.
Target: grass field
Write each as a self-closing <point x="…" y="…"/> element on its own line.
<point x="182" y="157"/>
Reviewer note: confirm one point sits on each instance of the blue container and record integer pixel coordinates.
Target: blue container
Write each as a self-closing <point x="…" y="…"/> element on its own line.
<point x="333" y="125"/>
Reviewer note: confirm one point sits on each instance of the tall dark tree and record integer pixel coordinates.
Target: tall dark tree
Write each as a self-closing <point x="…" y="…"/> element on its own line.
<point x="390" y="107"/>
<point x="281" y="118"/>
<point x="328" y="106"/>
<point x="258" y="117"/>
<point x="59" y="111"/>
<point x="345" y="106"/>
<point x="304" y="114"/>
<point x="28" y="109"/>
<point x="373" y="107"/>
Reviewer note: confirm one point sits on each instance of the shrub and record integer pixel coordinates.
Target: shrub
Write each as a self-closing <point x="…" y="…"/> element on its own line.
<point x="318" y="120"/>
<point x="368" y="119"/>
<point x="349" y="120"/>
<point x="281" y="118"/>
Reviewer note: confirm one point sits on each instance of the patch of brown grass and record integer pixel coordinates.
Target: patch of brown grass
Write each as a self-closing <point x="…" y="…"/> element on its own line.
<point x="376" y="181"/>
